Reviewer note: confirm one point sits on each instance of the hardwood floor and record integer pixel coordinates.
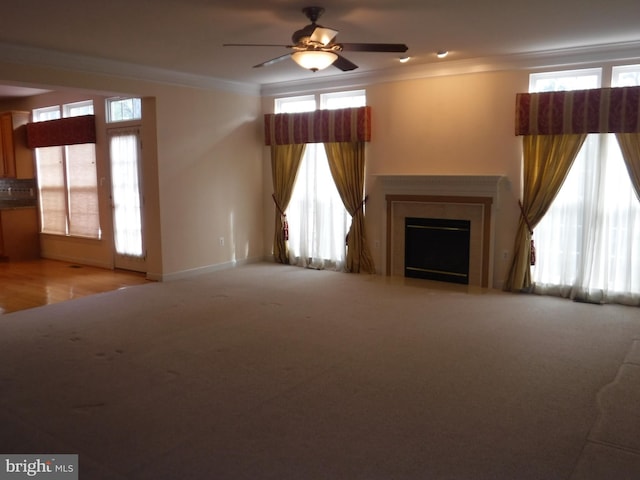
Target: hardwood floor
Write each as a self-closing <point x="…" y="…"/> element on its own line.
<point x="35" y="283"/>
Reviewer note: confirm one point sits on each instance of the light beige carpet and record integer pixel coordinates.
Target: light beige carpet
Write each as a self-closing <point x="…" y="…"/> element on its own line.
<point x="275" y="372"/>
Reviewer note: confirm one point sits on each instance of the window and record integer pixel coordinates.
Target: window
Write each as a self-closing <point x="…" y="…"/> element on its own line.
<point x="318" y="221"/>
<point x="625" y="76"/>
<point x="77" y="109"/>
<point x="306" y="103"/>
<point x="123" y="109"/>
<point x="336" y="100"/>
<point x="47" y="113"/>
<point x="67" y="180"/>
<point x="566" y="80"/>
<point x="587" y="242"/>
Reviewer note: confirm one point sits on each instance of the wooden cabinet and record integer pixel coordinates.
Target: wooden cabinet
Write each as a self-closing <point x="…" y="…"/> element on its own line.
<point x="16" y="160"/>
<point x="19" y="239"/>
<point x="19" y="234"/>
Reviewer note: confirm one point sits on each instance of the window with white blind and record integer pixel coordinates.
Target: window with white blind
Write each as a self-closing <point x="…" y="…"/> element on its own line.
<point x="67" y="180"/>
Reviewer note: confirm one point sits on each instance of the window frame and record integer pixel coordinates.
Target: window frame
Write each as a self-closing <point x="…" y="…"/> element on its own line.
<point x="559" y="75"/>
<point x="136" y="108"/>
<point x="320" y="101"/>
<point x="618" y="70"/>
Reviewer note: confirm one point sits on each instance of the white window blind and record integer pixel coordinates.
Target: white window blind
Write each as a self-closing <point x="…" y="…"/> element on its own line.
<point x="52" y="190"/>
<point x="67" y="180"/>
<point x="82" y="191"/>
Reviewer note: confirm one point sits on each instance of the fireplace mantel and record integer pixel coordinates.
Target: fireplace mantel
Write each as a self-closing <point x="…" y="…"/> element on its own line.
<point x="457" y="185"/>
<point x="443" y="196"/>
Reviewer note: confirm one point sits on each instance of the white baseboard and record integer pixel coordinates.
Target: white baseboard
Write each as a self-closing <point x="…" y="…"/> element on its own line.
<point x="192" y="272"/>
<point x="79" y="260"/>
<point x="159" y="277"/>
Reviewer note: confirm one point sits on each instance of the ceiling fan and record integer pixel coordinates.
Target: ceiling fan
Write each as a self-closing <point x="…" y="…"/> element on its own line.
<point x="315" y="48"/>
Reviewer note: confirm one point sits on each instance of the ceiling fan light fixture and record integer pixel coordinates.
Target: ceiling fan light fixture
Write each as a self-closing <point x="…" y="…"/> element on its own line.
<point x="314" y="60"/>
<point x="322" y="36"/>
<point x="315" y="48"/>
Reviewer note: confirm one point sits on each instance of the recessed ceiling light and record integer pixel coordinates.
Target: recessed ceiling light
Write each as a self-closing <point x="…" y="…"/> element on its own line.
<point x="442" y="53"/>
<point x="404" y="59"/>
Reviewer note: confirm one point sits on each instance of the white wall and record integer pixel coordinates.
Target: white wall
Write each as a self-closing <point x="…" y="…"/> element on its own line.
<point x="210" y="179"/>
<point x="454" y="125"/>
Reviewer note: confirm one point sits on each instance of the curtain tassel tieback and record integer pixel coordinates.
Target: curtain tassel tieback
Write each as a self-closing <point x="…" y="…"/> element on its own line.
<point x="533" y="253"/>
<point x="532" y="247"/>
<point x="283" y="218"/>
<point x="360" y="207"/>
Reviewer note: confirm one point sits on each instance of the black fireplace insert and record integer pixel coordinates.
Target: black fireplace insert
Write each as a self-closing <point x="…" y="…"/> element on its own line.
<point x="437" y="249"/>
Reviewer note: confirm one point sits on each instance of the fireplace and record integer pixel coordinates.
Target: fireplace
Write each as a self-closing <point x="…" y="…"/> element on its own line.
<point x="450" y="197"/>
<point x="437" y="249"/>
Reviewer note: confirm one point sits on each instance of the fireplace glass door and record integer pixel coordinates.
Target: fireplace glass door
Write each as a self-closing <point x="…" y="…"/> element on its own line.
<point x="437" y="249"/>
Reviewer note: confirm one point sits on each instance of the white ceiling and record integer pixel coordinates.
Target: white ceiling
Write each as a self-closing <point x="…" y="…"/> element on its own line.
<point x="186" y="36"/>
<point x="13" y="91"/>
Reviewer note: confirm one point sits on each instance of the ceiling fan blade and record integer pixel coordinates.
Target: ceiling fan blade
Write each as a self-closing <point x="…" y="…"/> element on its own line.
<point x="344" y="64"/>
<point x="323" y="35"/>
<point x="374" y="47"/>
<point x="273" y="60"/>
<point x="254" y="45"/>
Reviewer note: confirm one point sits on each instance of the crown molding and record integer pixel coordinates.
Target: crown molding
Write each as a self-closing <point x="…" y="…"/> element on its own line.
<point x="23" y="55"/>
<point x="560" y="58"/>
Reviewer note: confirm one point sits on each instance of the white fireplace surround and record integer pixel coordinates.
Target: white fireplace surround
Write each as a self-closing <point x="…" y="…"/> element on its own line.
<point x="462" y="197"/>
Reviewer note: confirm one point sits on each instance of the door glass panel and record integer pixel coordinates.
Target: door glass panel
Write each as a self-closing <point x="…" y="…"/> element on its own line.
<point x="126" y="198"/>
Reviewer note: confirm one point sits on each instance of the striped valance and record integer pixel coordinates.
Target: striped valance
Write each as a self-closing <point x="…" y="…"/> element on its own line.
<point x="319" y="126"/>
<point x="600" y="110"/>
